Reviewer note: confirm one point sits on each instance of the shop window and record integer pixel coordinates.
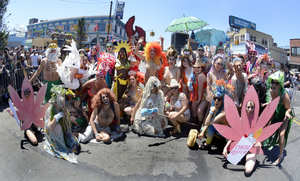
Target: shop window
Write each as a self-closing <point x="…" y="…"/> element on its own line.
<point x="254" y="38"/>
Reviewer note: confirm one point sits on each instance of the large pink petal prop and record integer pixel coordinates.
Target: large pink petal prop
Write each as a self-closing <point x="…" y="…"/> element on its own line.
<point x="232" y="115"/>
<point x="26" y="125"/>
<point x="40" y="97"/>
<point x="268" y="131"/>
<point x="266" y="115"/>
<point x="40" y="123"/>
<point x="42" y="110"/>
<point x="227" y="132"/>
<point x="29" y="102"/>
<point x="249" y="121"/>
<point x="16" y="99"/>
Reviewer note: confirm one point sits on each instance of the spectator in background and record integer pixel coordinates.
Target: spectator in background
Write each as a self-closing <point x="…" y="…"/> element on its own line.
<point x="287" y="76"/>
<point x="8" y="59"/>
<point x="45" y="47"/>
<point x="3" y="74"/>
<point x="34" y="60"/>
<point x="32" y="48"/>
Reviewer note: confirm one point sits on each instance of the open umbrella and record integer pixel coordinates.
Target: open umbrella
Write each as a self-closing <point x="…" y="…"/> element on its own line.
<point x="210" y="36"/>
<point x="186" y="24"/>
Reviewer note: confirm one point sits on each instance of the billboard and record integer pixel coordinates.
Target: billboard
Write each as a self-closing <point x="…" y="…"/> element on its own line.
<point x="238" y="23"/>
<point x="120" y="10"/>
<point x="38" y="32"/>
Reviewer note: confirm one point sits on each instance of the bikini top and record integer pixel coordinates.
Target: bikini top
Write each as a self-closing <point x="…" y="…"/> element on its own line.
<point x="178" y="104"/>
<point x="120" y="66"/>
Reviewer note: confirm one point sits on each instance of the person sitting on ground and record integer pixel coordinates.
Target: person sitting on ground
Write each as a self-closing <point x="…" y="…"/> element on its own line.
<point x="105" y="113"/>
<point x="148" y="115"/>
<point x="132" y="94"/>
<point x="216" y="112"/>
<point x="60" y="141"/>
<point x="250" y="157"/>
<point x="179" y="109"/>
<point x="78" y="115"/>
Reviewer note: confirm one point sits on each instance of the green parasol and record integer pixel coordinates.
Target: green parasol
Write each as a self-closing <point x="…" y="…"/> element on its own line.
<point x="186" y="24"/>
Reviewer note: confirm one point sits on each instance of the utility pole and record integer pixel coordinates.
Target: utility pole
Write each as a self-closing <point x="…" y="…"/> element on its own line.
<point x="114" y="22"/>
<point x="109" y="21"/>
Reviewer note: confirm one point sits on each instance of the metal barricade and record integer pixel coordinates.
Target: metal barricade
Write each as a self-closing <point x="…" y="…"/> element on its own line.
<point x="295" y="100"/>
<point x="15" y="79"/>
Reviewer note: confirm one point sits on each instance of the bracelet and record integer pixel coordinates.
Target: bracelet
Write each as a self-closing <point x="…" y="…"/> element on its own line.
<point x="96" y="135"/>
<point x="211" y="112"/>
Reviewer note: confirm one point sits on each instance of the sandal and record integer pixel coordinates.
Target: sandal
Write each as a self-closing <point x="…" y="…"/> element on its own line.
<point x="277" y="163"/>
<point x="205" y="147"/>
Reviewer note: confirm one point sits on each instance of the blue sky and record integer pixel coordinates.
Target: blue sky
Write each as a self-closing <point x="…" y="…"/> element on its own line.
<point x="278" y="18"/>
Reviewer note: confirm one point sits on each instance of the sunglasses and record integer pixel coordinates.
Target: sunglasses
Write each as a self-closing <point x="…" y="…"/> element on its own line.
<point x="218" y="98"/>
<point x="201" y="50"/>
<point x="221" y="64"/>
<point x="174" y="88"/>
<point x="100" y="76"/>
<point x="186" y="53"/>
<point x="252" y="53"/>
<point x="275" y="83"/>
<point x="220" y="49"/>
<point x="250" y="107"/>
<point x="108" y="46"/>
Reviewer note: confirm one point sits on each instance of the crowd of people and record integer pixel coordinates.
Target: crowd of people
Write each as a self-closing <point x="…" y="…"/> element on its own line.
<point x="175" y="89"/>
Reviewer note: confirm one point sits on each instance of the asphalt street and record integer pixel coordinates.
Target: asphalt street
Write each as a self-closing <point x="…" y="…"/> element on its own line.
<point x="137" y="158"/>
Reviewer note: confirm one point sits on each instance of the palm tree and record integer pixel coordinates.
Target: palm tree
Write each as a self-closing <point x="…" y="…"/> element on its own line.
<point x="81" y="30"/>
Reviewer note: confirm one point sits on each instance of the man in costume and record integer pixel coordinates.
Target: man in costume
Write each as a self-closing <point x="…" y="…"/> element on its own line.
<point x="105" y="114"/>
<point x="49" y="69"/>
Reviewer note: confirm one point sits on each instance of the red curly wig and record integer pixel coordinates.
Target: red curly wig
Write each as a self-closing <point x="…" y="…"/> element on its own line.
<point x="158" y="50"/>
<point x="96" y="100"/>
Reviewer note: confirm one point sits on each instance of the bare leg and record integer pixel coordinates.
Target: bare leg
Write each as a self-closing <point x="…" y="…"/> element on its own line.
<point x="200" y="111"/>
<point x="31" y="137"/>
<point x="282" y="140"/>
<point x="180" y="119"/>
<point x="129" y="110"/>
<point x="250" y="162"/>
<point x="104" y="136"/>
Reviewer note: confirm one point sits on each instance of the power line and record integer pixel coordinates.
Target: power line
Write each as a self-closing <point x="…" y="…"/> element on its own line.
<point x="77" y="2"/>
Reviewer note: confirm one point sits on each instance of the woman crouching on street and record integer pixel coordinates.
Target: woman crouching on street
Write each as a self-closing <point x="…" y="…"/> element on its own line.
<point x="179" y="110"/>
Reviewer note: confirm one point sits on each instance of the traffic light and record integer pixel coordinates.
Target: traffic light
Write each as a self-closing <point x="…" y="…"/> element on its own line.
<point x="236" y="42"/>
<point x="152" y="33"/>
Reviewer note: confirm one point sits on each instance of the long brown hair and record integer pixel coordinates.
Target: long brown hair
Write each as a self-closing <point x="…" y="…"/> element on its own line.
<point x="96" y="100"/>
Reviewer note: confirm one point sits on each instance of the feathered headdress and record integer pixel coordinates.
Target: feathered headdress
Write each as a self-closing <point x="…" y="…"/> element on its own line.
<point x="220" y="88"/>
<point x="250" y="47"/>
<point x="106" y="62"/>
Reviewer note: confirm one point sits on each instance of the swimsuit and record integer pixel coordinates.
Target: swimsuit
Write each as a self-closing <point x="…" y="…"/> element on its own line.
<point x="120" y="81"/>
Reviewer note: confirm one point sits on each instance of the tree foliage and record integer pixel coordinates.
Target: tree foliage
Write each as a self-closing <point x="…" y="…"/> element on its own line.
<point x="81" y="31"/>
<point x="3" y="29"/>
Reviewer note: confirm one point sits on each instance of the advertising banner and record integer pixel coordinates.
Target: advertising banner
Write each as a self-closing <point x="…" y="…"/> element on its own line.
<point x="120" y="10"/>
<point x="38" y="32"/>
<point x="73" y="28"/>
<point x="238" y="23"/>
